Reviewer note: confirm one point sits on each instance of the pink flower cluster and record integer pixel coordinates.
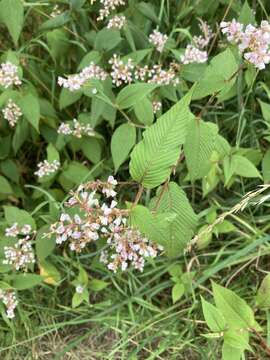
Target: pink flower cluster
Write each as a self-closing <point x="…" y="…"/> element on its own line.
<point x="117" y="22"/>
<point x="96" y="215"/>
<point x="194" y="53"/>
<point x="253" y="42"/>
<point x="12" y="112"/>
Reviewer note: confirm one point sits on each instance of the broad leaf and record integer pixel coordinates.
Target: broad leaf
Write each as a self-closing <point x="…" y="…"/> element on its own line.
<point x="11" y="14"/>
<point x="132" y="94"/>
<point x="234" y="309"/>
<point x="31" y="109"/>
<point x="181" y="229"/>
<point x="16" y="215"/>
<point x="199" y="145"/>
<point x="123" y="140"/>
<point x="153" y="158"/>
<point x="213" y="317"/>
<point x="219" y="76"/>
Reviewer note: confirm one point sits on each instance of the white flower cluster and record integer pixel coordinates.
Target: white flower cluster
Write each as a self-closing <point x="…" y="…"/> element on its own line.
<point x="11" y="112"/>
<point x="126" y="73"/>
<point x="160" y="76"/>
<point x="9" y="75"/>
<point x="158" y="40"/>
<point x="99" y="217"/>
<point x="75" y="82"/>
<point x="252" y="41"/>
<point x="157" y="106"/>
<point x="76" y="129"/>
<point x="8" y="297"/>
<point x="45" y="168"/>
<point x="117" y="22"/>
<point x="121" y="71"/>
<point x="194" y="53"/>
<point x="108" y="6"/>
<point x="21" y="254"/>
<point x="55" y="12"/>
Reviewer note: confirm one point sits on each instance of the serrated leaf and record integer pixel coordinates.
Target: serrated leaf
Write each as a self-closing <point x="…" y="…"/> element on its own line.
<point x="11" y="14"/>
<point x="181" y="229"/>
<point x="153" y="157"/>
<point x="132" y="94"/>
<point x="123" y="140"/>
<point x="199" y="145"/>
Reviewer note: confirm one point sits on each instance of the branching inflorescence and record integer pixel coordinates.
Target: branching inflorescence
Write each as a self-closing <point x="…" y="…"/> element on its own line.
<point x="98" y="217"/>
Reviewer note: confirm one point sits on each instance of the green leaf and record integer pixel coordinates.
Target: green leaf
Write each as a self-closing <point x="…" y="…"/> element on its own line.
<point x="26" y="281"/>
<point x="213" y="317"/>
<point x="153" y="158"/>
<point x="44" y="244"/>
<point x="77" y="4"/>
<point x="243" y="167"/>
<point x="178" y="291"/>
<point x="20" y="135"/>
<point x="144" y="111"/>
<point x="266" y="166"/>
<point x="107" y="39"/>
<point x="265" y="108"/>
<point x="218" y="77"/>
<point x="134" y="93"/>
<point x="57" y="21"/>
<point x="235" y="310"/>
<point x="246" y="16"/>
<point x="10" y="170"/>
<point x="97" y="285"/>
<point x="154" y="227"/>
<point x="29" y="105"/>
<point x="5" y="187"/>
<point x="123" y="140"/>
<point x="68" y="98"/>
<point x="181" y="229"/>
<point x="16" y="215"/>
<point x="199" y="145"/>
<point x="231" y="353"/>
<point x="11" y="14"/>
<point x="263" y="295"/>
<point x="92" y="149"/>
<point x="76" y="172"/>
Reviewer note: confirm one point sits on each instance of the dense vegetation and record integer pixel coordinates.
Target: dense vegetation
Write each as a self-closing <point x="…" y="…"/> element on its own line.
<point x="134" y="179"/>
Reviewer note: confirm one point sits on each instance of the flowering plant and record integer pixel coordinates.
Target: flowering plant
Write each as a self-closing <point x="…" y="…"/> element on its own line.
<point x="125" y="127"/>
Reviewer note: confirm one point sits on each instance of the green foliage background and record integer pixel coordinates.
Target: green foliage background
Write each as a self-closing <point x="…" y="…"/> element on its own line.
<point x="191" y="161"/>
